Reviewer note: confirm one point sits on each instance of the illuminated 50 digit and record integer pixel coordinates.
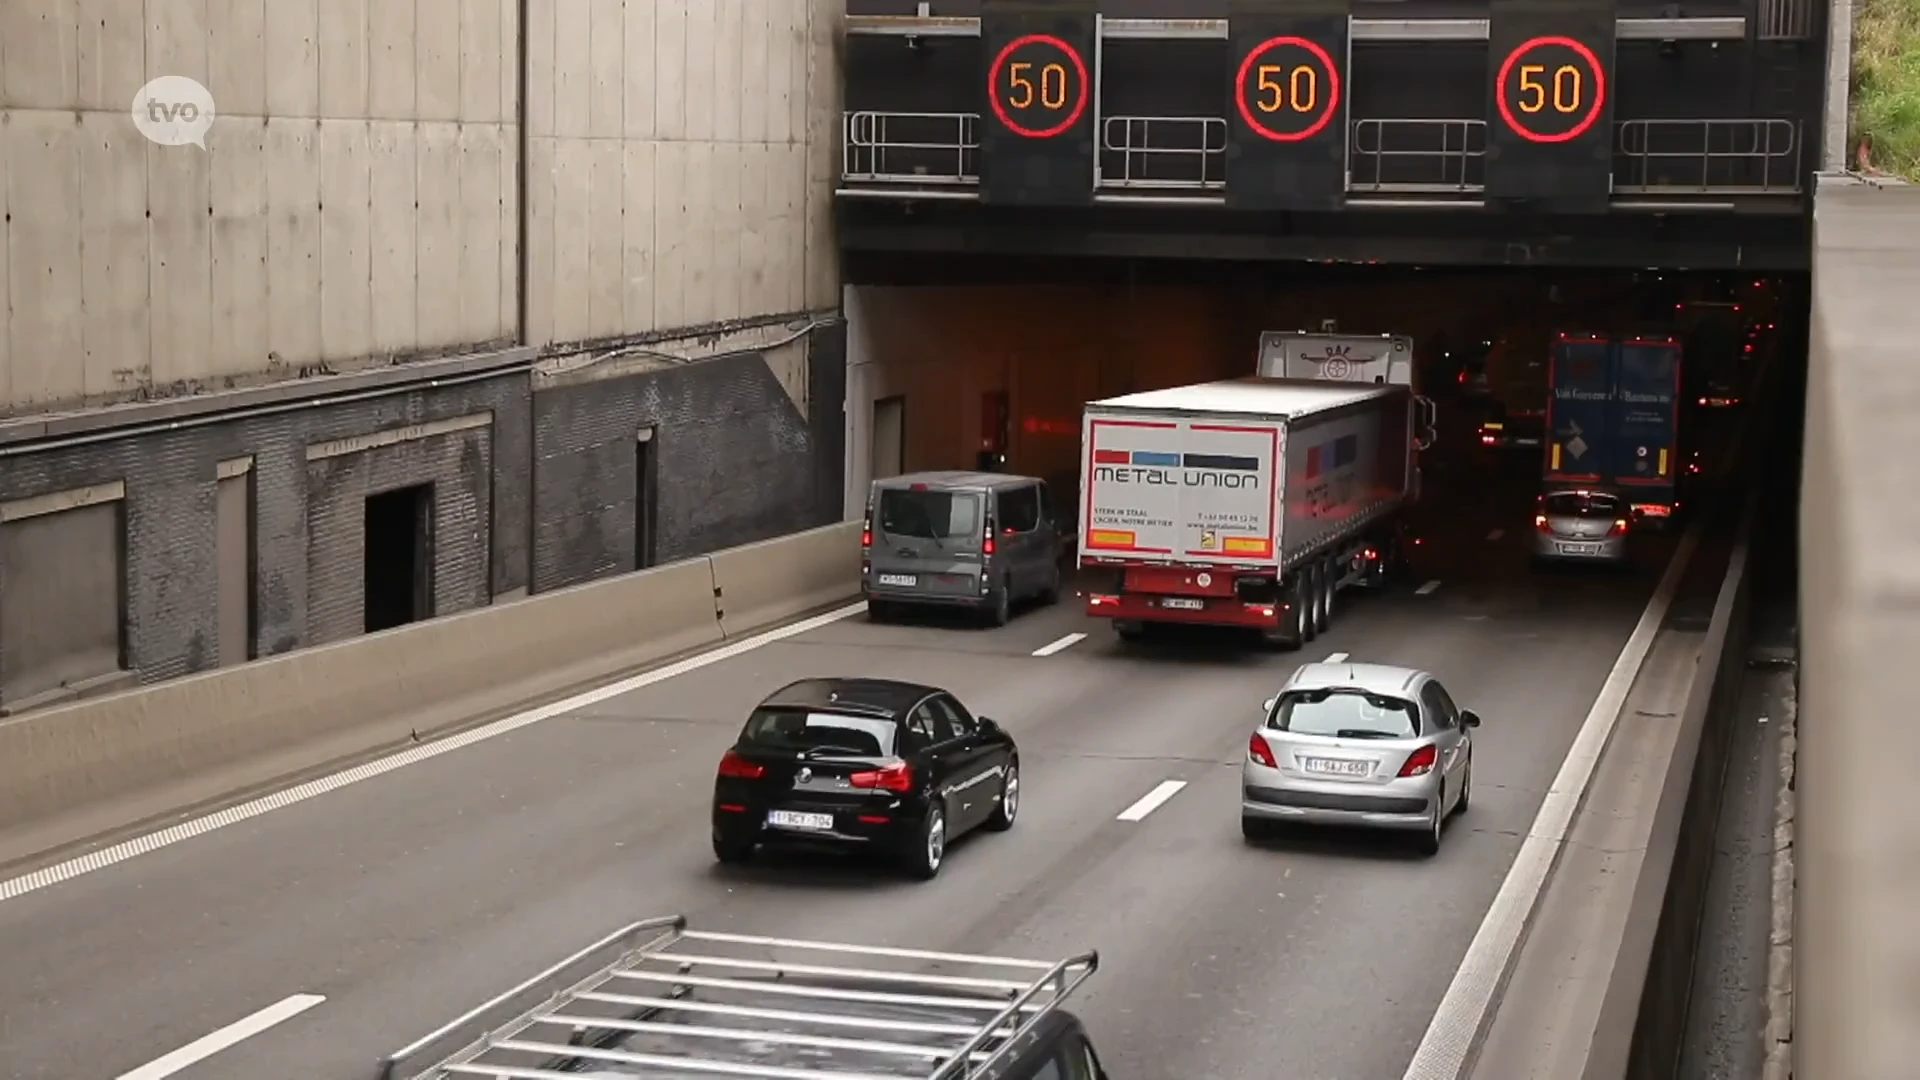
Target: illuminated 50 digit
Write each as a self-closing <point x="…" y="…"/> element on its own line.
<point x="1566" y="91"/>
<point x="1300" y="91"/>
<point x="1052" y="93"/>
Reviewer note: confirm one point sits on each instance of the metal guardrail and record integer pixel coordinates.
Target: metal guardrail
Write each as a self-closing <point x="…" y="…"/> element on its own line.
<point x="1707" y="28"/>
<point x="912" y="155"/>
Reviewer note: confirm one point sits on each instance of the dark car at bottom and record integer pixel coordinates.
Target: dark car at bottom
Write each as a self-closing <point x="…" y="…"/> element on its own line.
<point x="897" y="768"/>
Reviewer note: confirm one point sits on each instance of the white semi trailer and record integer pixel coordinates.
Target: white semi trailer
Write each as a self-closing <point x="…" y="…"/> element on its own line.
<point x="1249" y="502"/>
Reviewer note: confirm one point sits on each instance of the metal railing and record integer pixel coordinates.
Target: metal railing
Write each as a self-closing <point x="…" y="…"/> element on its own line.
<point x="905" y="154"/>
<point x="1163" y="153"/>
<point x="1784" y="20"/>
<point x="1754" y="156"/>
<point x="678" y="1001"/>
<point x="921" y="148"/>
<point x="1393" y="155"/>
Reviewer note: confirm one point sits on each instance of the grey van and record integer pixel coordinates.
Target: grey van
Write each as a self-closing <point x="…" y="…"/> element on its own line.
<point x="959" y="539"/>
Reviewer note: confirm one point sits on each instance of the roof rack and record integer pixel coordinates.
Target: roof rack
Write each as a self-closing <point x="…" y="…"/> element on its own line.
<point x="686" y="1003"/>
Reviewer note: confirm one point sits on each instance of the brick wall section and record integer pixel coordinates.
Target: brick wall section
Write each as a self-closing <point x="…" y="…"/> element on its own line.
<point x="735" y="461"/>
<point x="172" y="623"/>
<point x="460" y="467"/>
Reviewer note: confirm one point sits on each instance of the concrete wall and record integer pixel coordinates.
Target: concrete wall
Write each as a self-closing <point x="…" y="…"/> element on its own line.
<point x="356" y="195"/>
<point x="360" y="195"/>
<point x="1857" y="830"/>
<point x="681" y="159"/>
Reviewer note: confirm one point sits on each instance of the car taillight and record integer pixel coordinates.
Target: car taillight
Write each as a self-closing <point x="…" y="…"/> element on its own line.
<point x="1619" y="527"/>
<point x="897" y="777"/>
<point x="739" y="768"/>
<point x="866" y="537"/>
<point x="1540" y="523"/>
<point x="986" y="540"/>
<point x="1258" y="750"/>
<point x="1420" y="762"/>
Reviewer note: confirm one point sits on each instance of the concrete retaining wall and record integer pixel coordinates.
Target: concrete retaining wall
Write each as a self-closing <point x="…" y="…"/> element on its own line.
<point x="276" y="718"/>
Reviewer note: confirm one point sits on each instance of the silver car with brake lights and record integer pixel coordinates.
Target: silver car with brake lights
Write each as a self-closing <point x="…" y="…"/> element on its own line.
<point x="1366" y="745"/>
<point x="1581" y="526"/>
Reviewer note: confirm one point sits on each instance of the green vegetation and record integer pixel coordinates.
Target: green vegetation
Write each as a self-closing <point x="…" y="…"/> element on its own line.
<point x="1886" y="84"/>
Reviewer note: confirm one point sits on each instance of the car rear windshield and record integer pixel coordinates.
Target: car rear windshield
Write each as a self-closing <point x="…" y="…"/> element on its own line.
<point x="800" y="731"/>
<point x="1346" y="714"/>
<point x="950" y="517"/>
<point x="1568" y="504"/>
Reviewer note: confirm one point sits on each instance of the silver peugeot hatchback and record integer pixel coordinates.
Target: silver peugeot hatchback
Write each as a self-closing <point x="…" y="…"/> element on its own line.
<point x="1365" y="745"/>
<point x="1581" y="526"/>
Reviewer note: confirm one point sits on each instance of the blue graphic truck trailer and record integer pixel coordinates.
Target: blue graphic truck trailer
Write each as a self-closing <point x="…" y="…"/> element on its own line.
<point x="1613" y="418"/>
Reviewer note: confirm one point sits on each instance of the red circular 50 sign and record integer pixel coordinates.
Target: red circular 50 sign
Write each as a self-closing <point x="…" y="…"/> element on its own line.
<point x="1287" y="89"/>
<point x="1038" y="86"/>
<point x="1550" y="89"/>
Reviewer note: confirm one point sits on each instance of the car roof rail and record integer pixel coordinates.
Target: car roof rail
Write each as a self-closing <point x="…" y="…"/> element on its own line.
<point x="703" y="1003"/>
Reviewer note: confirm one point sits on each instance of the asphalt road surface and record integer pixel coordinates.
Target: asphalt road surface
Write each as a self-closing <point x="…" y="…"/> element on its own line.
<point x="405" y="899"/>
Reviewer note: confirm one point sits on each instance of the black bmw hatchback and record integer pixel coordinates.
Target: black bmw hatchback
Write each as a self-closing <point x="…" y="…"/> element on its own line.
<point x="864" y="763"/>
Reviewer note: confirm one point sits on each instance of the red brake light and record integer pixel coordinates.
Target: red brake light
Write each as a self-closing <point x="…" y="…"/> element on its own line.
<point x="1420" y="762"/>
<point x="986" y="540"/>
<point x="866" y="537"/>
<point x="1619" y="526"/>
<point x="1258" y="750"/>
<point x="739" y="768"/>
<point x="896" y="777"/>
<point x="1540" y="523"/>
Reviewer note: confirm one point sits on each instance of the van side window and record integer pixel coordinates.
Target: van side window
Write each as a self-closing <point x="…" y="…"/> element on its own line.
<point x="1079" y="1059"/>
<point x="1046" y="502"/>
<point x="1020" y="509"/>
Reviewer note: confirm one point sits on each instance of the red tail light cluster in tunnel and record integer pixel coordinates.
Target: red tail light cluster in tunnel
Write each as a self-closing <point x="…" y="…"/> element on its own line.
<point x="1420" y="762"/>
<point x="895" y="777"/>
<point x="1258" y="750"/>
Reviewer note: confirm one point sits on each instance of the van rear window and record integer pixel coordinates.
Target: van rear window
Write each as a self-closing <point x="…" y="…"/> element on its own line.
<point x="951" y="517"/>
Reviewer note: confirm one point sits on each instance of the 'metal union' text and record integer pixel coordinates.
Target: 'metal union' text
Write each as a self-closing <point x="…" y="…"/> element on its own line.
<point x="1129" y="474"/>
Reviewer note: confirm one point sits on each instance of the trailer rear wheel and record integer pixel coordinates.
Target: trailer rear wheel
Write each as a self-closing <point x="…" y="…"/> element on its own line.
<point x="1305" y="603"/>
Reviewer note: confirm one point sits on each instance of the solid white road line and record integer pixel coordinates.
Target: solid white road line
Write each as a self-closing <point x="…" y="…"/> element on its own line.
<point x="1063" y="644"/>
<point x="1334" y="658"/>
<point x="1470" y="999"/>
<point x="239" y="1031"/>
<point x="1152" y="800"/>
<point x="186" y="830"/>
<point x="1495" y="535"/>
<point x="1427" y="588"/>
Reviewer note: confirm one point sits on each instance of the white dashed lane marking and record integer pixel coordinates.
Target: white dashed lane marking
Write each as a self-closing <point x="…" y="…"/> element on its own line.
<point x="1152" y="800"/>
<point x="1064" y="643"/>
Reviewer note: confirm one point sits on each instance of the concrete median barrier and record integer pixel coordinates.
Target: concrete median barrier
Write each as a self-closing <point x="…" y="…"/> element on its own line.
<point x="100" y="765"/>
<point x="764" y="583"/>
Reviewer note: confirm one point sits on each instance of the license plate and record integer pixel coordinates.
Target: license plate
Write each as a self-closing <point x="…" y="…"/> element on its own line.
<point x="899" y="579"/>
<point x="1336" y="766"/>
<point x="792" y="819"/>
<point x="1577" y="549"/>
<point x="1183" y="604"/>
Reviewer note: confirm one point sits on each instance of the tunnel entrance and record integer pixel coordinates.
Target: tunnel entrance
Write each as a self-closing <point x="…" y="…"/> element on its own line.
<point x="398" y="572"/>
<point x="1000" y="372"/>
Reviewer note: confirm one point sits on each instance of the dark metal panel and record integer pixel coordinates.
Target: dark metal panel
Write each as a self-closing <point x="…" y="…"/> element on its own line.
<point x="879" y="239"/>
<point x="1163" y="106"/>
<point x="1287" y="88"/>
<point x="1550" y="128"/>
<point x="1037" y="111"/>
<point x="1418" y="118"/>
<point x="912" y="108"/>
